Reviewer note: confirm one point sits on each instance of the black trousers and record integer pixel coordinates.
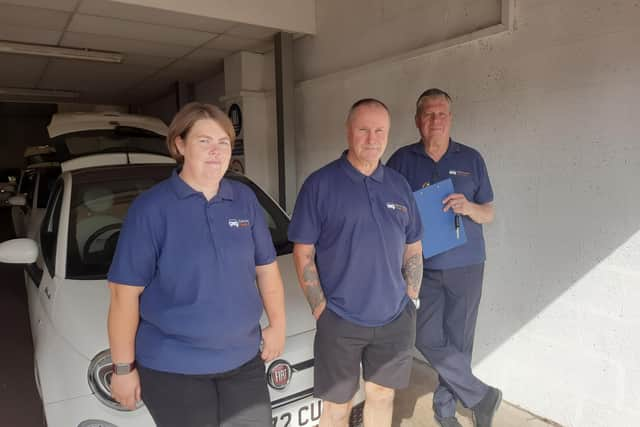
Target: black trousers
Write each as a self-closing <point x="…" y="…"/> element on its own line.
<point x="235" y="398"/>
<point x="445" y="330"/>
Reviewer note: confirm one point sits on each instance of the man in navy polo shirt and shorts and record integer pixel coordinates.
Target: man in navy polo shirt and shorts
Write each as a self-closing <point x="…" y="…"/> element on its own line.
<point x="452" y="281"/>
<point x="358" y="255"/>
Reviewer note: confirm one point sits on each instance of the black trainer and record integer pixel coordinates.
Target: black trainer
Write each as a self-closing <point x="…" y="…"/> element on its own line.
<point x="484" y="411"/>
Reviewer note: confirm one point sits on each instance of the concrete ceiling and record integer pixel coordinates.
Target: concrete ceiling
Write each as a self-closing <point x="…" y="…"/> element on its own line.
<point x="160" y="47"/>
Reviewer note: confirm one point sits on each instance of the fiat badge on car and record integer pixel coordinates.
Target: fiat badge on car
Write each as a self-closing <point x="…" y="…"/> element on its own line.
<point x="279" y="374"/>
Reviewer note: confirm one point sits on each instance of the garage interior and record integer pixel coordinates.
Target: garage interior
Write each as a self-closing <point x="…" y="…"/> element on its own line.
<point x="87" y="55"/>
<point x="68" y="56"/>
<point x="546" y="90"/>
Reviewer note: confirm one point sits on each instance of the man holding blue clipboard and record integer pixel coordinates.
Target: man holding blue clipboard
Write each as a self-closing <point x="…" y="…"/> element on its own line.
<point x="452" y="279"/>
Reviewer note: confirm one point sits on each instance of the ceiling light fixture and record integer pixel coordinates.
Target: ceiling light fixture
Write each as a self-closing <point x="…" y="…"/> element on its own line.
<point x="60" y="52"/>
<point x="36" y="93"/>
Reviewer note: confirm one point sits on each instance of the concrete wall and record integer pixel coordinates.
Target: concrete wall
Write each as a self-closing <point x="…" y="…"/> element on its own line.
<point x="164" y="107"/>
<point x="362" y="31"/>
<point x="553" y="106"/>
<point x="210" y="90"/>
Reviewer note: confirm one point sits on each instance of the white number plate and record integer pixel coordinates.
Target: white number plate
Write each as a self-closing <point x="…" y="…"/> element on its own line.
<point x="305" y="414"/>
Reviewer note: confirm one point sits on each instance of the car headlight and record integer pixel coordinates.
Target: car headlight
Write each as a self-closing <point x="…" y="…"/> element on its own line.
<point x="99" y="375"/>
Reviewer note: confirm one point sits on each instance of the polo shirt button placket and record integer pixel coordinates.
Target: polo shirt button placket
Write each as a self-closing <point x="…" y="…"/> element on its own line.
<point x="208" y="212"/>
<point x="368" y="185"/>
<point x="435" y="173"/>
<point x="371" y="193"/>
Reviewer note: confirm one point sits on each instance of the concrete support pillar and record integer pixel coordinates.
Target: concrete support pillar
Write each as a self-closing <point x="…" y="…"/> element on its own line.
<point x="285" y="104"/>
<point x="244" y="86"/>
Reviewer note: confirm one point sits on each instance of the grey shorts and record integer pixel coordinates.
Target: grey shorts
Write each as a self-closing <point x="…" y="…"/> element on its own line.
<point x="386" y="354"/>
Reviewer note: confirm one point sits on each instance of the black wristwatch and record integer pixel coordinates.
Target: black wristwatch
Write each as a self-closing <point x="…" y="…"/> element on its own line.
<point x="123" y="368"/>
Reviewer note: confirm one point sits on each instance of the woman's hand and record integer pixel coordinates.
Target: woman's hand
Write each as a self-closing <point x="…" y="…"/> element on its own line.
<point x="122" y="323"/>
<point x="125" y="389"/>
<point x="272" y="342"/>
<point x="272" y="293"/>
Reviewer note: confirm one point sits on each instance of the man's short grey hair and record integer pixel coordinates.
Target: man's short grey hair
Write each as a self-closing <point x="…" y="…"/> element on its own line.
<point x="367" y="102"/>
<point x="432" y="93"/>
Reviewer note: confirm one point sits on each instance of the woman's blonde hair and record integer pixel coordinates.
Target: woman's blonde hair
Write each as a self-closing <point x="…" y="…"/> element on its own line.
<point x="184" y="120"/>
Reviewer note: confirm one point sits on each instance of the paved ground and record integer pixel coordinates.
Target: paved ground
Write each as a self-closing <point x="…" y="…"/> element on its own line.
<point x="19" y="401"/>
<point x="413" y="405"/>
<point x="20" y="404"/>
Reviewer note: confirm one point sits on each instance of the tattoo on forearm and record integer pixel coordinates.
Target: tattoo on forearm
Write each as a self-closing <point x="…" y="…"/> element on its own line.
<point x="311" y="283"/>
<point x="412" y="273"/>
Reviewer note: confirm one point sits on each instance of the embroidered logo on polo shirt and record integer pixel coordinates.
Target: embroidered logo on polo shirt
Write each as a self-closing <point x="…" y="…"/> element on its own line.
<point x="238" y="223"/>
<point x="396" y="207"/>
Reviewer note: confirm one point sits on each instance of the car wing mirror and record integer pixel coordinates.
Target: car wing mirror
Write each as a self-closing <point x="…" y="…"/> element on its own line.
<point x="18" y="200"/>
<point x="19" y="251"/>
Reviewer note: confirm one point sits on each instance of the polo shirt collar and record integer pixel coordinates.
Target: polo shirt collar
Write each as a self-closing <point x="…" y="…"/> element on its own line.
<point x="453" y="147"/>
<point x="183" y="190"/>
<point x="225" y="192"/>
<point x="355" y="174"/>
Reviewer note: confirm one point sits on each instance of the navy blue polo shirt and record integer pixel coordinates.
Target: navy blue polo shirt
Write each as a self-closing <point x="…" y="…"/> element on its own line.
<point x="359" y="225"/>
<point x="467" y="170"/>
<point x="200" y="309"/>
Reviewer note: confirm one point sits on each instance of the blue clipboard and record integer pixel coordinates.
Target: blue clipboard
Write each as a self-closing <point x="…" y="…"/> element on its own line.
<point x="439" y="227"/>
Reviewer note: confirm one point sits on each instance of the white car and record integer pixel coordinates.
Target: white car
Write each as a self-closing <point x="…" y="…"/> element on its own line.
<point x="73" y="135"/>
<point x="66" y="262"/>
<point x="34" y="187"/>
<point x="7" y="190"/>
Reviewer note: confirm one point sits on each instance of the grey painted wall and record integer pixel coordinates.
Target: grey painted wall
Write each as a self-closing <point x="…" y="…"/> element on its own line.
<point x="553" y="106"/>
<point x="361" y="31"/>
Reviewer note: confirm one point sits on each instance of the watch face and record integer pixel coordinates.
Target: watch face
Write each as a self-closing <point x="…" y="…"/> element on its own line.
<point x="122" y="368"/>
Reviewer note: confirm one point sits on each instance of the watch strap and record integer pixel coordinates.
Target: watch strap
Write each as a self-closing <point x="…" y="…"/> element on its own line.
<point x="123" y="368"/>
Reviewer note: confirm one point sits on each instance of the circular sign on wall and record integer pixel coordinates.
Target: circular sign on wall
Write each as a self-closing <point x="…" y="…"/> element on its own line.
<point x="236" y="117"/>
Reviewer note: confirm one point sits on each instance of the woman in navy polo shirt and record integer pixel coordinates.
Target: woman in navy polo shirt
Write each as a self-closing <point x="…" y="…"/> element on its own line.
<point x="184" y="317"/>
